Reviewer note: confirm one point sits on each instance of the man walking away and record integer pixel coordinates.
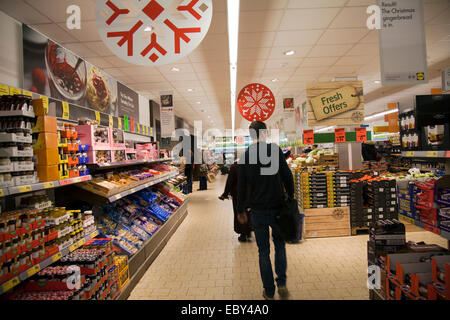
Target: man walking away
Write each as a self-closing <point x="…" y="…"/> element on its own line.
<point x="263" y="169"/>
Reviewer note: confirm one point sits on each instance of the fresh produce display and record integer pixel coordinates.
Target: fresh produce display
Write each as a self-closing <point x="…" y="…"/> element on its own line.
<point x="313" y="158"/>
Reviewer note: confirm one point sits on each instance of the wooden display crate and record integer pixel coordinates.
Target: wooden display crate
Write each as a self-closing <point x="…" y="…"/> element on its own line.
<point x="327" y="222"/>
<point x="329" y="160"/>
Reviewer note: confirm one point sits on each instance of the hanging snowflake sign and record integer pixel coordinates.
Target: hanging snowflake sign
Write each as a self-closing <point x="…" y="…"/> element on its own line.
<point x="153" y="32"/>
<point x="256" y="102"/>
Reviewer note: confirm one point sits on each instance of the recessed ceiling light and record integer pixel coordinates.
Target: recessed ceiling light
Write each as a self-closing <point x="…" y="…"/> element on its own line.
<point x="175" y="69"/>
<point x="198" y="102"/>
<point x="284" y="64"/>
<point x="202" y="110"/>
<point x="190" y="90"/>
<point x="377" y="81"/>
<point x="289" y="53"/>
<point x="148" y="29"/>
<point x="275" y="80"/>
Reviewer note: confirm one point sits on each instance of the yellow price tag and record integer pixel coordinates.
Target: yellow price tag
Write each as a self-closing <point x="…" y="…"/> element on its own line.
<point x="81" y="242"/>
<point x="97" y="116"/>
<point x="33" y="270"/>
<point x="119" y="123"/>
<point x="49" y="185"/>
<point x="138" y="128"/>
<point x="28" y="93"/>
<point x="111" y="121"/>
<point x="73" y="247"/>
<point x="433" y="154"/>
<point x="14" y="91"/>
<point x="10" y="284"/>
<point x="151" y="131"/>
<point x="76" y="180"/>
<point x="45" y="103"/>
<point x="56" y="256"/>
<point x="146" y="130"/>
<point x="1" y="193"/>
<point x="410" y="153"/>
<point x="4" y="90"/>
<point x="94" y="234"/>
<point x="24" y="189"/>
<point x="66" y="112"/>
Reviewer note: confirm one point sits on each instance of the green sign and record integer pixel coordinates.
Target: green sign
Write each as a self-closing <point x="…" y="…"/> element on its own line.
<point x="126" y="123"/>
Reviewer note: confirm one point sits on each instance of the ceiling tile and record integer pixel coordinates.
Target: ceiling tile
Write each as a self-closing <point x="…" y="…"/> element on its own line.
<point x="371" y="37"/>
<point x="342" y="36"/>
<point x="54" y="33"/>
<point x="343" y="70"/>
<point x="118" y="62"/>
<point x="218" y="23"/>
<point x="351" y="17"/>
<point x="307" y="19"/>
<point x="56" y="10"/>
<point x="297" y="38"/>
<point x="316" y="3"/>
<point x="145" y="78"/>
<point x="88" y="32"/>
<point x="140" y="70"/>
<point x="253" y="54"/>
<point x="208" y="55"/>
<point x="214" y="42"/>
<point x="283" y="63"/>
<point x="99" y="48"/>
<point x="256" y="39"/>
<point x="114" y="72"/>
<point x="318" y="62"/>
<point x="257" y="21"/>
<point x="23" y="12"/>
<point x="213" y="68"/>
<point x="366" y="3"/>
<point x="354" y="60"/>
<point x="434" y="11"/>
<point x="184" y="68"/>
<point x="80" y="50"/>
<point x="278" y="52"/>
<point x="360" y="49"/>
<point x="181" y="77"/>
<point x="307" y="71"/>
<point x="254" y="5"/>
<point x="329" y="50"/>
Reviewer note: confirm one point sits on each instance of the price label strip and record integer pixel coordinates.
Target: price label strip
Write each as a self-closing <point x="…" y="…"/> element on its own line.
<point x="49" y="185"/>
<point x="33" y="270"/>
<point x="432" y="154"/>
<point x="97" y="116"/>
<point x="410" y="153"/>
<point x="2" y="194"/>
<point x="119" y="123"/>
<point x="44" y="103"/>
<point x="111" y="121"/>
<point x="66" y="111"/>
<point x="23" y="189"/>
<point x="10" y="284"/>
<point x="13" y="91"/>
<point x="4" y="90"/>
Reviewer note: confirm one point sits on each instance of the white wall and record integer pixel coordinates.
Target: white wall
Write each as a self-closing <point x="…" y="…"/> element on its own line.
<point x="11" y="52"/>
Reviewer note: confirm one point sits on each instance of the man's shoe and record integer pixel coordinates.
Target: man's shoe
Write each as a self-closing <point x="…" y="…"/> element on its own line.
<point x="283" y="292"/>
<point x="266" y="297"/>
<point x="242" y="238"/>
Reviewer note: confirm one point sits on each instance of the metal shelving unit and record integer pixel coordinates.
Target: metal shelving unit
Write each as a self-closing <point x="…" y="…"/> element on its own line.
<point x="104" y="166"/>
<point x="7" y="191"/>
<point x="426" y="154"/>
<point x="8" y="285"/>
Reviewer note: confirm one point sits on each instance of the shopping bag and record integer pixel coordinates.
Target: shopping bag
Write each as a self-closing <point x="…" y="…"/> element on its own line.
<point x="289" y="219"/>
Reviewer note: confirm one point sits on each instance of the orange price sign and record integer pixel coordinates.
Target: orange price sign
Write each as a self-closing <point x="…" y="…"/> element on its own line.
<point x="339" y="135"/>
<point x="361" y="134"/>
<point x="308" y="136"/>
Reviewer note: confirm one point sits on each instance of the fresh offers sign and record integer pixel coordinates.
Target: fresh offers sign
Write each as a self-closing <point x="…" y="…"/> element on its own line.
<point x="335" y="103"/>
<point x="403" y="54"/>
<point x="153" y="32"/>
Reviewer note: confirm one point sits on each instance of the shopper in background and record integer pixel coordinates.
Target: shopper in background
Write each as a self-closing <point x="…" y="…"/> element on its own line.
<point x="243" y="229"/>
<point x="203" y="174"/>
<point x="266" y="196"/>
<point x="369" y="152"/>
<point x="188" y="171"/>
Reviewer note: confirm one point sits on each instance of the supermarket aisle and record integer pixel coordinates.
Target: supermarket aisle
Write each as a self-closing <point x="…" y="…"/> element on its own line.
<point x="204" y="260"/>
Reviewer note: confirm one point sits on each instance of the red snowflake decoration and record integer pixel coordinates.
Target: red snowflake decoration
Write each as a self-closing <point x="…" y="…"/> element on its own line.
<point x="256" y="102"/>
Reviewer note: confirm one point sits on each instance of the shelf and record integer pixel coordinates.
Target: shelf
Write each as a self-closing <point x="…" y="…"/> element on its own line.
<point x="8" y="285"/>
<point x="17" y="113"/>
<point x="427" y="154"/>
<point x="125" y="163"/>
<point x="42" y="186"/>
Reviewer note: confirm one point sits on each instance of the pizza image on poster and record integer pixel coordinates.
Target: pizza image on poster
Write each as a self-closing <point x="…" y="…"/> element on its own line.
<point x="256" y="102"/>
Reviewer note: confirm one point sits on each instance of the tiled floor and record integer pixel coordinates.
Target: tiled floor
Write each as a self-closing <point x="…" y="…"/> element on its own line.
<point x="204" y="260"/>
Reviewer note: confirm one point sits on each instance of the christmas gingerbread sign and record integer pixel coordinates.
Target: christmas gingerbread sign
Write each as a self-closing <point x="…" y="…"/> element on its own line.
<point x="153" y="32"/>
<point x="256" y="102"/>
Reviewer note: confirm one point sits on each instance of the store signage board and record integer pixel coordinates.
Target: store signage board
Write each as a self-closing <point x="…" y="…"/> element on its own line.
<point x="308" y="137"/>
<point x="361" y="134"/>
<point x="66" y="110"/>
<point x="256" y="102"/>
<point x="339" y="135"/>
<point x="167" y="113"/>
<point x="403" y="55"/>
<point x="153" y="33"/>
<point x="126" y="123"/>
<point x="335" y="103"/>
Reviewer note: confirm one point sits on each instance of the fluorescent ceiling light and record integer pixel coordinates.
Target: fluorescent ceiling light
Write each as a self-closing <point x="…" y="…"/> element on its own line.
<point x="377" y="81"/>
<point x="376" y="115"/>
<point x="275" y="80"/>
<point x="175" y="69"/>
<point x="289" y="53"/>
<point x="198" y="102"/>
<point x="190" y="90"/>
<point x="148" y="29"/>
<point x="324" y="129"/>
<point x="233" y="42"/>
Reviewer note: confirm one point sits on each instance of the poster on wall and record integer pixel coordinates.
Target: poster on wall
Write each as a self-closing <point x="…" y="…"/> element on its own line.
<point x="403" y="54"/>
<point x="53" y="71"/>
<point x="128" y="102"/>
<point x="335" y="103"/>
<point x="167" y="115"/>
<point x="288" y="104"/>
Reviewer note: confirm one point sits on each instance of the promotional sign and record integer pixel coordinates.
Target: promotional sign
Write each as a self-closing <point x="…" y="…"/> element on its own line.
<point x="308" y="137"/>
<point x="53" y="71"/>
<point x="335" y="103"/>
<point x="256" y="102"/>
<point x="288" y="104"/>
<point x="155" y="32"/>
<point x="361" y="134"/>
<point x="167" y="116"/>
<point x="339" y="135"/>
<point x="403" y="54"/>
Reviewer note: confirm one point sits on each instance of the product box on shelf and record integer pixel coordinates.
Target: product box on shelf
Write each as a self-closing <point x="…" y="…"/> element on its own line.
<point x="46" y="140"/>
<point x="95" y="136"/>
<point x="99" y="156"/>
<point x="45" y="124"/>
<point x="47" y="173"/>
<point x="118" y="140"/>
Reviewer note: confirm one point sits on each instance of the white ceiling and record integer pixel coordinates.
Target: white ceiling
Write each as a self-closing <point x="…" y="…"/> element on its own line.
<point x="329" y="36"/>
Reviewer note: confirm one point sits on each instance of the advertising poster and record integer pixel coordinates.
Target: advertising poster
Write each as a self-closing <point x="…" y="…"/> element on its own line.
<point x="288" y="104"/>
<point x="56" y="72"/>
<point x="335" y="103"/>
<point x="127" y="102"/>
<point x="167" y="116"/>
<point x="403" y="54"/>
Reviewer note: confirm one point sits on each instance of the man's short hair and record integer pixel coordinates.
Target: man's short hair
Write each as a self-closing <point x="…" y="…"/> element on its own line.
<point x="255" y="129"/>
